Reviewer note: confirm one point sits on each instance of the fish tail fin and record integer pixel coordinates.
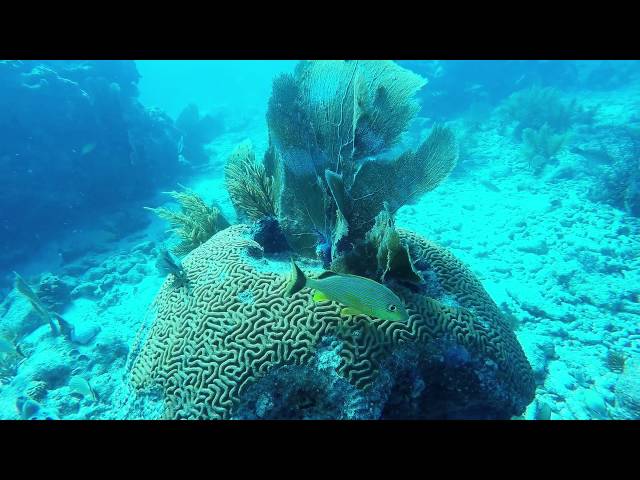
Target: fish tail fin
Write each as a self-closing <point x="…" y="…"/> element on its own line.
<point x="23" y="288"/>
<point x="64" y="326"/>
<point x="297" y="281"/>
<point x="94" y="395"/>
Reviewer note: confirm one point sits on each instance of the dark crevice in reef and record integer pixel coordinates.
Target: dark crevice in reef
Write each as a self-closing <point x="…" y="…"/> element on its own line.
<point x="268" y="233"/>
<point x="439" y="385"/>
<point x="430" y="382"/>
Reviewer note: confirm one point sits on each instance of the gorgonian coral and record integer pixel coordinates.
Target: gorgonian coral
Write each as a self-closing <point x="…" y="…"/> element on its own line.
<point x="327" y="122"/>
<point x="252" y="191"/>
<point x="404" y="180"/>
<point x="536" y="106"/>
<point x="196" y="223"/>
<point x="541" y="145"/>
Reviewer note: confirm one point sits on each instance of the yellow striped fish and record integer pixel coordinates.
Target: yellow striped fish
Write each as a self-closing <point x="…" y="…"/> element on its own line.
<point x="79" y="385"/>
<point x="359" y="295"/>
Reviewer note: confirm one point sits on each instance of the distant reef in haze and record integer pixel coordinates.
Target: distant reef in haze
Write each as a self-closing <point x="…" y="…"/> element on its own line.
<point x="455" y="85"/>
<point x="75" y="143"/>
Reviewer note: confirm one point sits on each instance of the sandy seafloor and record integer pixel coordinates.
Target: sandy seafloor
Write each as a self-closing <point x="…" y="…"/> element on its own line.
<point x="565" y="267"/>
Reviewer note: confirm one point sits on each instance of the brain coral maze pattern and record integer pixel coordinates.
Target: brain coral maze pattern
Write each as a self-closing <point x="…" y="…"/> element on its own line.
<point x="233" y="324"/>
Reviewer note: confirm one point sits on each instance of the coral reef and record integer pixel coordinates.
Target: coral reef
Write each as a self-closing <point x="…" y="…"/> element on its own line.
<point x="194" y="224"/>
<point x="455" y="86"/>
<point x="106" y="280"/>
<point x="206" y="350"/>
<point x="75" y="133"/>
<point x="197" y="131"/>
<point x="536" y="106"/>
<point x="541" y="146"/>
<point x="333" y="201"/>
<point x="105" y="311"/>
<point x="616" y="164"/>
<point x="615" y="360"/>
<point x="557" y="254"/>
<point x="55" y="292"/>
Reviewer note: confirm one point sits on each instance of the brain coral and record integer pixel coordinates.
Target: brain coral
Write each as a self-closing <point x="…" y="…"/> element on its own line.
<point x="212" y="343"/>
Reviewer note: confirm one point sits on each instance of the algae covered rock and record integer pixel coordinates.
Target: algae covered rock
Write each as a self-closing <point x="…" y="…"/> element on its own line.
<point x="235" y="347"/>
<point x="55" y="292"/>
<point x="77" y="130"/>
<point x="628" y="391"/>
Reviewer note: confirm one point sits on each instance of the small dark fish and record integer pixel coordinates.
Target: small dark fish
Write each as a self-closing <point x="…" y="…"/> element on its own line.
<point x="7" y="346"/>
<point x="166" y="264"/>
<point x="87" y="149"/>
<point x="489" y="185"/>
<point x="65" y="327"/>
<point x="522" y="77"/>
<point x="25" y="290"/>
<point x="82" y="386"/>
<point x="598" y="155"/>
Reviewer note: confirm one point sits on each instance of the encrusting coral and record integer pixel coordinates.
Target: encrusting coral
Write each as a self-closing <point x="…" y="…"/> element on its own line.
<point x="37" y="390"/>
<point x="10" y="358"/>
<point x="535" y="106"/>
<point x="196" y="223"/>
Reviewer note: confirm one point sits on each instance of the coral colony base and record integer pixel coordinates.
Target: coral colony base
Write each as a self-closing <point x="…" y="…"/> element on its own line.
<point x="509" y="235"/>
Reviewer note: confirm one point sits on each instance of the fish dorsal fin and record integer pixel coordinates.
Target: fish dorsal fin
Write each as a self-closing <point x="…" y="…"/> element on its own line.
<point x="326" y="274"/>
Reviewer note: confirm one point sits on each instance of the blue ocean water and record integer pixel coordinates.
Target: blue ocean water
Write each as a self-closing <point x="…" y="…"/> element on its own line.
<point x="541" y="204"/>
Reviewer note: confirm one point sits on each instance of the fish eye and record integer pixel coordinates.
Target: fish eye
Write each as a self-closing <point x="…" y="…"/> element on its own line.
<point x="392" y="308"/>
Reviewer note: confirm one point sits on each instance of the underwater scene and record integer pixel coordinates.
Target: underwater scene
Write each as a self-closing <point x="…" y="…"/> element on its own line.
<point x="323" y="239"/>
